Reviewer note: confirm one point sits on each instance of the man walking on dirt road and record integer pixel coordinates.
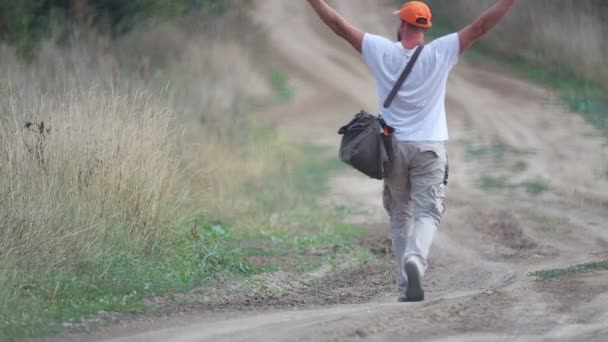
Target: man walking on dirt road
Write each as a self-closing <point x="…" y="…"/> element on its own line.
<point x="415" y="184"/>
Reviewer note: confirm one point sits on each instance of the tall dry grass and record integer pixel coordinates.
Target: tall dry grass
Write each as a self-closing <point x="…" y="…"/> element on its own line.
<point x="86" y="171"/>
<point x="553" y="33"/>
<point x="106" y="146"/>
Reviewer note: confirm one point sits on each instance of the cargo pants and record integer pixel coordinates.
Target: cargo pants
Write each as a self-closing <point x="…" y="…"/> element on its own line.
<point x="414" y="194"/>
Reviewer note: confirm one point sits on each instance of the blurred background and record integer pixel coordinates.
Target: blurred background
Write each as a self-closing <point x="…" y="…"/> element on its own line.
<point x="564" y="38"/>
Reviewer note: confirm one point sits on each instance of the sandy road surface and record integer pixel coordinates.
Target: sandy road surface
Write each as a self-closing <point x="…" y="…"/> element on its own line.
<point x="508" y="140"/>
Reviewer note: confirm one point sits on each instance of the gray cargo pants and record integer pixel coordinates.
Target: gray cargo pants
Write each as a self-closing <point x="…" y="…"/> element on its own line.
<point x="414" y="194"/>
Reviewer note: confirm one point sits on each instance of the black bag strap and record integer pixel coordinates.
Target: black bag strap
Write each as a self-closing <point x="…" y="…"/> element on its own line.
<point x="403" y="77"/>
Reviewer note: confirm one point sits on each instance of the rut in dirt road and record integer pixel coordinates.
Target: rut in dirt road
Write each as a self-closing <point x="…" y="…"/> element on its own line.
<point x="478" y="284"/>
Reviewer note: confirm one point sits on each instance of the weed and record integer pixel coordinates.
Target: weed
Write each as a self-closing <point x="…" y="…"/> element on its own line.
<point x="549" y="275"/>
<point x="37" y="149"/>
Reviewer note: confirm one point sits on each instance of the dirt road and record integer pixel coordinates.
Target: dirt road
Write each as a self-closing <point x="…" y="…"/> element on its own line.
<point x="529" y="191"/>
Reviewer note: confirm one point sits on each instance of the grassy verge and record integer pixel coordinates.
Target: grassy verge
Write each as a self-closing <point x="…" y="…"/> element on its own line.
<point x="549" y="275"/>
<point x="285" y="222"/>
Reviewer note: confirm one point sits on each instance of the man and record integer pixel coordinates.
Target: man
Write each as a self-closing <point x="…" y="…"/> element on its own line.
<point x="415" y="184"/>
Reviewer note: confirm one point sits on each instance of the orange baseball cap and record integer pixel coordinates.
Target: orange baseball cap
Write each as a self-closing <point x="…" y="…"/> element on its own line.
<point x="416" y="13"/>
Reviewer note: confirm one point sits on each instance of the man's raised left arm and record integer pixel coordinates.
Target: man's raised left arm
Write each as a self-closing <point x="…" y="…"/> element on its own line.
<point x="338" y="24"/>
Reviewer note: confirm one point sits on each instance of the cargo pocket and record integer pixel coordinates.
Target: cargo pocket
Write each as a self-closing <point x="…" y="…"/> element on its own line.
<point x="433" y="151"/>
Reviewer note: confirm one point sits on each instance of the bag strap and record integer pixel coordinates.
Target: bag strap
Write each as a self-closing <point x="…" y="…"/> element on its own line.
<point x="403" y="77"/>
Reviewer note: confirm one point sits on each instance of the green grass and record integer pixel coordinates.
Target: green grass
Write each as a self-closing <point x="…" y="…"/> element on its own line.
<point x="549" y="275"/>
<point x="123" y="285"/>
<point x="287" y="216"/>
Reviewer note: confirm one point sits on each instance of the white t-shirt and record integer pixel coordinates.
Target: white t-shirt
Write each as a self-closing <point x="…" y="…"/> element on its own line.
<point x="418" y="111"/>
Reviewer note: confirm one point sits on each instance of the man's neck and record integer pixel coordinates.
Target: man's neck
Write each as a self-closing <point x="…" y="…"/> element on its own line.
<point x="412" y="41"/>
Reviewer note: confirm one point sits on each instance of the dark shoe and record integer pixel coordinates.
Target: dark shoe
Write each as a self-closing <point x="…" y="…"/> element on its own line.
<point x="414" y="292"/>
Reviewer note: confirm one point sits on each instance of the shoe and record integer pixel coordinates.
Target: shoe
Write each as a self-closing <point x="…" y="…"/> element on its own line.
<point x="414" y="292"/>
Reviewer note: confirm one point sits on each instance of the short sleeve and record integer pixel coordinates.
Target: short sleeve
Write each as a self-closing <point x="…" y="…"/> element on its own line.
<point x="373" y="49"/>
<point x="448" y="49"/>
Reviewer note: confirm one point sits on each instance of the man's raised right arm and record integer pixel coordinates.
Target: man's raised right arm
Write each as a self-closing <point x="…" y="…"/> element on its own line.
<point x="338" y="24"/>
<point x="482" y="25"/>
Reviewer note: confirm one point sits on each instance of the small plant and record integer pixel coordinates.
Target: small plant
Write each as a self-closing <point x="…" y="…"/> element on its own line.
<point x="211" y="244"/>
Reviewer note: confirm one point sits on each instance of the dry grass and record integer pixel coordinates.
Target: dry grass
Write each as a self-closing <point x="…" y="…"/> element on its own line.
<point x="107" y="146"/>
<point x="550" y="32"/>
<point x="83" y="174"/>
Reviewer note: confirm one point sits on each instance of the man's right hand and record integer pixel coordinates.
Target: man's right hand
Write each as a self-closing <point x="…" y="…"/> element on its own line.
<point x="482" y="25"/>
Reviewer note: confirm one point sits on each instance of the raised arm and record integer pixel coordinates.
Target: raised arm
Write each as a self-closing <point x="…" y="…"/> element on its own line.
<point x="338" y="24"/>
<point x="484" y="23"/>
